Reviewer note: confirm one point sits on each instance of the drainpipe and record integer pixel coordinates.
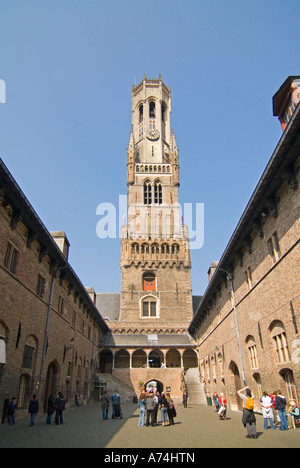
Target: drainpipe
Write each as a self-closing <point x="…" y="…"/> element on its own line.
<point x="48" y="322"/>
<point x="230" y="279"/>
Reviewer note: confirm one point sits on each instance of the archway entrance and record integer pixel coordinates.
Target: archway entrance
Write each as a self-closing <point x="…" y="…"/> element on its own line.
<point x="234" y="386"/>
<point x="51" y="382"/>
<point x="154" y="385"/>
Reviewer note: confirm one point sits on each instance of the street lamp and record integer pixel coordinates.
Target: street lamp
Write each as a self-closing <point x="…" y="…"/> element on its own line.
<point x="230" y="279"/>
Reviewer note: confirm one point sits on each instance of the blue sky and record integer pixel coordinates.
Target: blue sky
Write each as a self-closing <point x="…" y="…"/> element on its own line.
<point x="69" y="67"/>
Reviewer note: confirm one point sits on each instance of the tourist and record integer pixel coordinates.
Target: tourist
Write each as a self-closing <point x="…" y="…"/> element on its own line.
<point x="216" y="402"/>
<point x="142" y="407"/>
<point x="150" y="410"/>
<point x="185" y="398"/>
<point x="222" y="407"/>
<point x="50" y="409"/>
<point x="104" y="405"/>
<point x="280" y="407"/>
<point x="33" y="409"/>
<point x="116" y="401"/>
<point x="156" y="399"/>
<point x="294" y="412"/>
<point x="249" y="420"/>
<point x="171" y="410"/>
<point x="267" y="411"/>
<point x="164" y="409"/>
<point x="11" y="408"/>
<point x="59" y="406"/>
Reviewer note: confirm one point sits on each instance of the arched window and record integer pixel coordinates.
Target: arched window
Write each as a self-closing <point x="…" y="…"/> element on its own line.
<point x="149" y="307"/>
<point x="141" y="113"/>
<point x="158" y="192"/>
<point x="280" y="342"/>
<point x="147" y="193"/>
<point x="163" y="111"/>
<point x="252" y="350"/>
<point x="152" y="112"/>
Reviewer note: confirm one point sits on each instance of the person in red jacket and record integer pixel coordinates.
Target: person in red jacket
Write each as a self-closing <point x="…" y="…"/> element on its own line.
<point x="223" y="406"/>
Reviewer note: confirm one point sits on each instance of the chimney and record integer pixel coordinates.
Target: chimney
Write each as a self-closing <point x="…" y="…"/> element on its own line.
<point x="211" y="270"/>
<point x="92" y="294"/>
<point x="62" y="242"/>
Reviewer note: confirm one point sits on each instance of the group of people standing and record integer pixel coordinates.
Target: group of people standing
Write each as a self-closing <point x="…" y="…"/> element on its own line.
<point x="116" y="405"/>
<point x="56" y="405"/>
<point x="150" y="402"/>
<point x="273" y="407"/>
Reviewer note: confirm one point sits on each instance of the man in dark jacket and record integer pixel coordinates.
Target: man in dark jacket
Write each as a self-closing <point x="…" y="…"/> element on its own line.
<point x="280" y="407"/>
<point x="59" y="406"/>
<point x="33" y="409"/>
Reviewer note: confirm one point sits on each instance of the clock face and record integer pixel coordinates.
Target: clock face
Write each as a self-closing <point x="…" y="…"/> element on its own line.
<point x="153" y="134"/>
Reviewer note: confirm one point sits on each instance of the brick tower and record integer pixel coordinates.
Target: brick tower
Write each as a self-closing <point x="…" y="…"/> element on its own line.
<point x="156" y="292"/>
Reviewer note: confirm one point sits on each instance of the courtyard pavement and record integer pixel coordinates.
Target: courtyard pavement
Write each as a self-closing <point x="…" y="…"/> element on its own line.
<point x="195" y="427"/>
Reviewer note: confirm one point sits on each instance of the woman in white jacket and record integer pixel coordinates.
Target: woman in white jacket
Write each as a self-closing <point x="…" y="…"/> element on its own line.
<point x="267" y="411"/>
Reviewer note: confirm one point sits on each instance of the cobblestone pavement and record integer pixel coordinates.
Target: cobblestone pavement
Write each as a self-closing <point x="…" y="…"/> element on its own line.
<point x="195" y="427"/>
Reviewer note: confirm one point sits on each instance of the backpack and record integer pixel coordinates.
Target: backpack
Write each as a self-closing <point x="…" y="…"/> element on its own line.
<point x="249" y="405"/>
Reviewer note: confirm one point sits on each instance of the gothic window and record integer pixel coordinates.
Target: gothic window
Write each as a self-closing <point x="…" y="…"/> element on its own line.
<point x="158" y="193"/>
<point x="147" y="193"/>
<point x="141" y="113"/>
<point x="175" y="249"/>
<point x="252" y="350"/>
<point x="145" y="249"/>
<point x="274" y="248"/>
<point x="163" y="111"/>
<point x="152" y="112"/>
<point x="280" y="342"/>
<point x="135" y="248"/>
<point x="165" y="249"/>
<point x="11" y="257"/>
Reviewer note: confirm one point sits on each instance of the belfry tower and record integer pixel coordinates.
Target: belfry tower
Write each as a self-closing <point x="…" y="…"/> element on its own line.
<point x="156" y="292"/>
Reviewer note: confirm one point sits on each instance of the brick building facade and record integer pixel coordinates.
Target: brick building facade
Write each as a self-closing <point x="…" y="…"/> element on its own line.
<point x="248" y="323"/>
<point x="49" y="325"/>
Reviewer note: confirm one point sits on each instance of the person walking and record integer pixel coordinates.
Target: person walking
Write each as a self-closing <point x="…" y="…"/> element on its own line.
<point x="171" y="410"/>
<point x="150" y="410"/>
<point x="156" y="405"/>
<point x="185" y="398"/>
<point x="33" y="409"/>
<point x="59" y="406"/>
<point x="267" y="411"/>
<point x="142" y="407"/>
<point x="104" y="405"/>
<point x="164" y="409"/>
<point x="50" y="409"/>
<point x="116" y="402"/>
<point x="11" y="408"/>
<point x="249" y="419"/>
<point x="280" y="407"/>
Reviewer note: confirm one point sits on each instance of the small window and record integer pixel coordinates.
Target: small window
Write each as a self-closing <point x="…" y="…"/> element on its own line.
<point x="249" y="278"/>
<point x="28" y="357"/>
<point x="11" y="258"/>
<point x="274" y="248"/>
<point x="61" y="305"/>
<point x="40" y="290"/>
<point x="149" y="309"/>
